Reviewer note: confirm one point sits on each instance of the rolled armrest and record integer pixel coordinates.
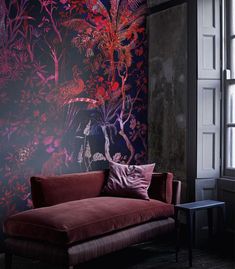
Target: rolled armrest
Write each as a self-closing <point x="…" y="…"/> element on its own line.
<point x="176" y="192"/>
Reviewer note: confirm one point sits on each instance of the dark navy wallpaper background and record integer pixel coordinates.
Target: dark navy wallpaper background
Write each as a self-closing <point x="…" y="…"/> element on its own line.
<point x="73" y="90"/>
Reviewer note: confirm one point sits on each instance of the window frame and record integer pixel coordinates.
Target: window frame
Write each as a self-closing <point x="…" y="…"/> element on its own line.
<point x="227" y="81"/>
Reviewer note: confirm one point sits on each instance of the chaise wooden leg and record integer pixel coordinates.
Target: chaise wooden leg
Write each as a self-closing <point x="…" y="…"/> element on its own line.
<point x="8" y="260"/>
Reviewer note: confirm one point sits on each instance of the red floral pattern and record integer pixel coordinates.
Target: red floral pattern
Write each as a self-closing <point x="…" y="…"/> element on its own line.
<point x="73" y="90"/>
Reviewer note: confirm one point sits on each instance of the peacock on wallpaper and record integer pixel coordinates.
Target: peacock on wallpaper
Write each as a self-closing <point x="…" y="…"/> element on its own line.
<point x="73" y="90"/>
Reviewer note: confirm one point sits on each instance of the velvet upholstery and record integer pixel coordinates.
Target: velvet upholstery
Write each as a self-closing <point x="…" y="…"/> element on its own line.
<point x="128" y="180"/>
<point x="81" y="220"/>
<point x="161" y="187"/>
<point x="87" y="250"/>
<point x="24" y="231"/>
<point x="48" y="191"/>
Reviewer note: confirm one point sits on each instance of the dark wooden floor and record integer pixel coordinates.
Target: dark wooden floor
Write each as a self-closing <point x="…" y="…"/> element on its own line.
<point x="158" y="254"/>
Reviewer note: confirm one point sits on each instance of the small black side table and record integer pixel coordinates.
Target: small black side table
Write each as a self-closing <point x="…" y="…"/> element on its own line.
<point x="190" y="209"/>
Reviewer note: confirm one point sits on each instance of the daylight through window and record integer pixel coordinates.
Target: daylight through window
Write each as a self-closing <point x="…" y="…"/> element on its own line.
<point x="230" y="92"/>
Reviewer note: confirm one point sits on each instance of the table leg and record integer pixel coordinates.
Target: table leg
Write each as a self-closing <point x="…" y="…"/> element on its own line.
<point x="210" y="223"/>
<point x="194" y="229"/>
<point x="190" y="236"/>
<point x="8" y="260"/>
<point x="222" y="219"/>
<point x="176" y="234"/>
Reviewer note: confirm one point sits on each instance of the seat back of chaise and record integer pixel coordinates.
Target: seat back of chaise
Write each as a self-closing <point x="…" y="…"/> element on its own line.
<point x="52" y="190"/>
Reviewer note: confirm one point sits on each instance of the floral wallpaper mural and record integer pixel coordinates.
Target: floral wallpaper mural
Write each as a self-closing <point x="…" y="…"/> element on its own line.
<point x="73" y="90"/>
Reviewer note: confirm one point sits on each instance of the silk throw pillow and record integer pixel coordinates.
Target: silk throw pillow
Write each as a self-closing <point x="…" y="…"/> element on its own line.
<point x="129" y="180"/>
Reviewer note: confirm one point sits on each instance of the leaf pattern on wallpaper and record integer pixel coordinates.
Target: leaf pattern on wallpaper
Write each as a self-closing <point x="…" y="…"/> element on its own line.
<point x="114" y="34"/>
<point x="73" y="90"/>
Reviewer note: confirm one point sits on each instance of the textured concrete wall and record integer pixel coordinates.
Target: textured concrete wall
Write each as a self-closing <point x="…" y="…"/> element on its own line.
<point x="152" y="3"/>
<point x="168" y="89"/>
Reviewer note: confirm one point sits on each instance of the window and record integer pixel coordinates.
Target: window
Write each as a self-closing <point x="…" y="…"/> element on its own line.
<point x="229" y="167"/>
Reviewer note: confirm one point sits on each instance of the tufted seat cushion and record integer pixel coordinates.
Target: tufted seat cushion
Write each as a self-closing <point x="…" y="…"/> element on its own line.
<point x="79" y="220"/>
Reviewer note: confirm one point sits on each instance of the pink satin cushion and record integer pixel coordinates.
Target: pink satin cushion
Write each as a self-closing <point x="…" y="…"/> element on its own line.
<point x="129" y="180"/>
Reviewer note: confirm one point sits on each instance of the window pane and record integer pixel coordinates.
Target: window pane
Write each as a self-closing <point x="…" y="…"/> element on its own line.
<point x="232" y="17"/>
<point x="231" y="104"/>
<point x="232" y="41"/>
<point x="231" y="147"/>
<point x="232" y="57"/>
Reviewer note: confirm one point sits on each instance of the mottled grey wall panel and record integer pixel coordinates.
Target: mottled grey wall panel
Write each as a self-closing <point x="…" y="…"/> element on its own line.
<point x="152" y="3"/>
<point x="168" y="89"/>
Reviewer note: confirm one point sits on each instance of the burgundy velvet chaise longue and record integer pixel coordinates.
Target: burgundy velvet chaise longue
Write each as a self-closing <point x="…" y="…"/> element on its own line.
<point x="72" y="222"/>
